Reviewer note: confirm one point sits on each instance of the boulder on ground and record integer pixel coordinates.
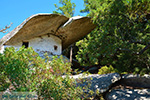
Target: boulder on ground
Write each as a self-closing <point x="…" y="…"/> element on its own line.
<point x="95" y="82"/>
<point x="136" y="80"/>
<point x="128" y="94"/>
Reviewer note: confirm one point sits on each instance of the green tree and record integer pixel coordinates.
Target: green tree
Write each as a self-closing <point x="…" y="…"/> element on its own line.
<point x="122" y="36"/>
<point x="67" y="9"/>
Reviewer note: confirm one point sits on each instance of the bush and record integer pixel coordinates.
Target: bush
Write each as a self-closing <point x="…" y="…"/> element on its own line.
<point x="60" y="65"/>
<point x="26" y="71"/>
<point x="59" y="88"/>
<point x="106" y="70"/>
<point x="20" y="66"/>
<point x="121" y="38"/>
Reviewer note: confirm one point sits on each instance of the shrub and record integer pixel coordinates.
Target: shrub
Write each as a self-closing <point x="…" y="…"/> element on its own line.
<point x="20" y="66"/>
<point x="59" y="88"/>
<point x="106" y="70"/>
<point x="26" y="71"/>
<point x="60" y="65"/>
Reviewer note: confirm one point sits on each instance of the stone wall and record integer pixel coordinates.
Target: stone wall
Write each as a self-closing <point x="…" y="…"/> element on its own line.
<point x="50" y="44"/>
<point x="42" y="44"/>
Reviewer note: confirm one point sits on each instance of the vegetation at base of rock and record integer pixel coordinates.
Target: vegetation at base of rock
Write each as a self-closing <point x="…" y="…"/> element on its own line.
<point x="26" y="71"/>
<point x="106" y="70"/>
<point x="121" y="38"/>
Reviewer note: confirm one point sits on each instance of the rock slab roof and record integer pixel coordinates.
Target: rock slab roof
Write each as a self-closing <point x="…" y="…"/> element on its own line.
<point x="69" y="30"/>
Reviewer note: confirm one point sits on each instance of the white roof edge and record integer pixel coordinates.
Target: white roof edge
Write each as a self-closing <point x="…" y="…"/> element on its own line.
<point x="77" y="17"/>
<point x="71" y="19"/>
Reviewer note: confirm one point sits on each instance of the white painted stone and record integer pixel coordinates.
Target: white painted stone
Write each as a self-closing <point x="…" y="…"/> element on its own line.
<point x="46" y="44"/>
<point x="16" y="46"/>
<point x="2" y="49"/>
<point x="42" y="45"/>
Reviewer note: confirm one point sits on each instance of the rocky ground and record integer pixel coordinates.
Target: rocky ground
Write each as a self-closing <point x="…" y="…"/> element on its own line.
<point x="114" y="86"/>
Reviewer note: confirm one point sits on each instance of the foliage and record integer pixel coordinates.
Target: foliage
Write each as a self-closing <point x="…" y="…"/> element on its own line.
<point x="59" y="88"/>
<point x="4" y="84"/>
<point x="60" y="65"/>
<point x="26" y="71"/>
<point x="106" y="70"/>
<point x="67" y="8"/>
<point x="121" y="38"/>
<point x="15" y="65"/>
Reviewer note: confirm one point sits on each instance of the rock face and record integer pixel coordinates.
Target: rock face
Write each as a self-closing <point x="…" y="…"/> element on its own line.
<point x="129" y="94"/>
<point x="131" y="87"/>
<point x="136" y="80"/>
<point x="114" y="86"/>
<point x="95" y="82"/>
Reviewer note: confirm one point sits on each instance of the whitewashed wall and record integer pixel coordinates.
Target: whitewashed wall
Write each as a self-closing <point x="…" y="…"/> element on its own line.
<point x="2" y="49"/>
<point x="46" y="44"/>
<point x="43" y="44"/>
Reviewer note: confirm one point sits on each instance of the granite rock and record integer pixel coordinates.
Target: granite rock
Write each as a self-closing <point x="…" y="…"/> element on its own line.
<point x="128" y="94"/>
<point x="95" y="82"/>
<point x="136" y="80"/>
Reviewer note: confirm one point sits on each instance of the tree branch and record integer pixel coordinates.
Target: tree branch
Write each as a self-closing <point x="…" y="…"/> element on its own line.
<point x="137" y="42"/>
<point x="4" y="29"/>
<point x="144" y="49"/>
<point x="134" y="53"/>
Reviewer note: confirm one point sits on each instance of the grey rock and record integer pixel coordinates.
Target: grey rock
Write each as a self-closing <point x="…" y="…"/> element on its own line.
<point x="136" y="80"/>
<point x="93" y="69"/>
<point x="96" y="83"/>
<point x="128" y="94"/>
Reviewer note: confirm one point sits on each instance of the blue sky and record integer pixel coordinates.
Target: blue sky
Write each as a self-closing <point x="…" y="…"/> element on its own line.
<point x="16" y="11"/>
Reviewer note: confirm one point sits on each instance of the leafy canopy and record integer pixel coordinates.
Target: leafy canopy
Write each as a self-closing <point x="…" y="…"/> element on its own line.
<point x="67" y="9"/>
<point x="122" y="36"/>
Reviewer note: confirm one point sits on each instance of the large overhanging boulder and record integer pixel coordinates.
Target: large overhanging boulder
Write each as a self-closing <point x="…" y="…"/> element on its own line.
<point x="69" y="30"/>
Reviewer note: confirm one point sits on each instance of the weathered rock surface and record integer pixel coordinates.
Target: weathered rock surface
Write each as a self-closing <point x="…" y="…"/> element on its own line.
<point x="116" y="87"/>
<point x="95" y="82"/>
<point x="93" y="70"/>
<point x="128" y="94"/>
<point x="136" y="80"/>
<point x="130" y="87"/>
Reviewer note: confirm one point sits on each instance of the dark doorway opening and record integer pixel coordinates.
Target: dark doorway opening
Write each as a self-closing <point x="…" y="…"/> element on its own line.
<point x="26" y="44"/>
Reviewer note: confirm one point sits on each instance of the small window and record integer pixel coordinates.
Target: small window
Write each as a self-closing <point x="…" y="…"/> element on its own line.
<point x="26" y="44"/>
<point x="55" y="47"/>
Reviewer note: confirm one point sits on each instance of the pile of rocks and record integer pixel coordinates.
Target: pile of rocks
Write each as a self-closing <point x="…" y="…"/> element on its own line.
<point x="115" y="86"/>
